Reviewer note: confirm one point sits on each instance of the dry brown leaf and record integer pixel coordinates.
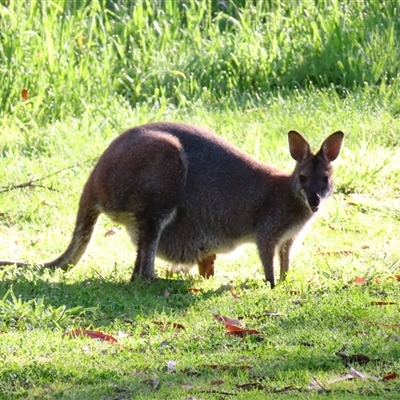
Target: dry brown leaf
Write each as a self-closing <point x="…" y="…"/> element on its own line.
<point x="97" y="335"/>
<point x="382" y="303"/>
<point x="389" y="377"/>
<point x="360" y="281"/>
<point x="165" y="325"/>
<point x="154" y="383"/>
<point x="354" y="358"/>
<point x="227" y="320"/>
<point x="25" y="94"/>
<point x="240" y="332"/>
<point x="234" y="295"/>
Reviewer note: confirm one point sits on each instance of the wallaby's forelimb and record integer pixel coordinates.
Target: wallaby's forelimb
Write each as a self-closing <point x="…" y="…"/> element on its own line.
<point x="284" y="258"/>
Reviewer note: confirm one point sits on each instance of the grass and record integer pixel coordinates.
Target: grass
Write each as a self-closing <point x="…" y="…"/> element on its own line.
<point x="251" y="71"/>
<point x="323" y="310"/>
<point x="72" y="56"/>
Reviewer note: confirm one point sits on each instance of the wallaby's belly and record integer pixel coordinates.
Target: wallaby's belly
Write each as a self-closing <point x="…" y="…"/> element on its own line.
<point x="186" y="240"/>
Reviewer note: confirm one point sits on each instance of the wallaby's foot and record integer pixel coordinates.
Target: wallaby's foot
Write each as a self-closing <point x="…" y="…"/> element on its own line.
<point x="271" y="283"/>
<point x="206" y="266"/>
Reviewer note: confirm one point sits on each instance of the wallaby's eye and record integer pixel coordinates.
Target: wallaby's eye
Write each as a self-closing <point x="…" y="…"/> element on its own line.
<point x="302" y="179"/>
<point x="325" y="179"/>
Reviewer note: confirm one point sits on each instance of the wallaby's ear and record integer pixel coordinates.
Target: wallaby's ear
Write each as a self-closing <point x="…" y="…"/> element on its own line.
<point x="298" y="146"/>
<point x="331" y="146"/>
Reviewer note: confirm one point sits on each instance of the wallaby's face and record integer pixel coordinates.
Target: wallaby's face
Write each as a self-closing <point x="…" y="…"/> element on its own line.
<point x="312" y="177"/>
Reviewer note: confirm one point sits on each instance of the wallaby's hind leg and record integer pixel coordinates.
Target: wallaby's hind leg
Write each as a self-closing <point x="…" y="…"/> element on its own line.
<point x="148" y="235"/>
<point x="206" y="266"/>
<point x="284" y="258"/>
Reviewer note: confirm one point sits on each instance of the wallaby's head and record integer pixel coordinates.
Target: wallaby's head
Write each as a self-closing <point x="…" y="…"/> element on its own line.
<point x="312" y="177"/>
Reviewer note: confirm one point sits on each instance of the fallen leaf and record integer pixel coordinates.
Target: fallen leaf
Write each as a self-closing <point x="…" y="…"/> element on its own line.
<point x="314" y="384"/>
<point x="234" y="295"/>
<point x="354" y="358"/>
<point x="360" y="281"/>
<point x="341" y="378"/>
<point x="217" y="382"/>
<point x="240" y="332"/>
<point x="122" y="334"/>
<point x="110" y="232"/>
<point x="357" y="374"/>
<point x="382" y="303"/>
<point x="25" y="94"/>
<point x="171" y="365"/>
<point x="97" y="335"/>
<point x="194" y="290"/>
<point x="227" y="320"/>
<point x="86" y="349"/>
<point x="154" y="383"/>
<point x="361" y="375"/>
<point x="389" y="377"/>
<point x="164" y="344"/>
<point x="166" y="325"/>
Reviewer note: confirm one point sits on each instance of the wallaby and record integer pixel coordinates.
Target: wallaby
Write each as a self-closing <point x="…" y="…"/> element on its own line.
<point x="185" y="194"/>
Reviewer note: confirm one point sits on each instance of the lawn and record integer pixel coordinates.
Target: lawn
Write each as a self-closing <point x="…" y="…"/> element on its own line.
<point x="75" y="75"/>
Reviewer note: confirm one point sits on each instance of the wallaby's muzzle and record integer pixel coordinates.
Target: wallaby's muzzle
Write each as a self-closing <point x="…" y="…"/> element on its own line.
<point x="314" y="201"/>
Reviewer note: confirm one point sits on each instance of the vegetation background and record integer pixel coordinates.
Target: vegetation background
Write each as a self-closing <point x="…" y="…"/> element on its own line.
<point x="76" y="73"/>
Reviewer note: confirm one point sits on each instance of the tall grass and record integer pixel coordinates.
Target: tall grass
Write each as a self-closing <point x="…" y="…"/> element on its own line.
<point x="75" y="55"/>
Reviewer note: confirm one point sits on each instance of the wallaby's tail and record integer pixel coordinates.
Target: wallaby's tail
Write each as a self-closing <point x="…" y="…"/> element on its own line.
<point x="84" y="226"/>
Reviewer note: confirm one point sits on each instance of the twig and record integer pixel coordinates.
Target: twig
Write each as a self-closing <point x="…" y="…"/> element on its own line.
<point x="31" y="183"/>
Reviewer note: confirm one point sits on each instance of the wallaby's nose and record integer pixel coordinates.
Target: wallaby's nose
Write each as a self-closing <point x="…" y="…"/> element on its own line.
<point x="314" y="201"/>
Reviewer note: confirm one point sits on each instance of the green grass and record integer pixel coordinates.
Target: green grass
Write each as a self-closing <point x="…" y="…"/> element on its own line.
<point x="323" y="310"/>
<point x="251" y="71"/>
<point x="73" y="56"/>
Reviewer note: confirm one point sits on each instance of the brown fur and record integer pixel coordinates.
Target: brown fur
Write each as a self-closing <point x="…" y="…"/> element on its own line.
<point x="184" y="194"/>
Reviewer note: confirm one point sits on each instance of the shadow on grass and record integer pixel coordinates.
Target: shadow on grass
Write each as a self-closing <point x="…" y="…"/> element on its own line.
<point x="108" y="299"/>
